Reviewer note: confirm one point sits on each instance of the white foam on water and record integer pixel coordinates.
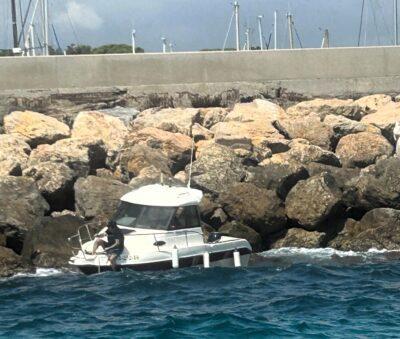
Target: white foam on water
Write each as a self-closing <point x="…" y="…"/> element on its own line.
<point x="41" y="272"/>
<point x="320" y="252"/>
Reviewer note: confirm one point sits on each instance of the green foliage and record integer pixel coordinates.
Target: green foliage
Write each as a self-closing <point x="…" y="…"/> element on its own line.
<point x="5" y="52"/>
<point x="105" y="49"/>
<point x="79" y="49"/>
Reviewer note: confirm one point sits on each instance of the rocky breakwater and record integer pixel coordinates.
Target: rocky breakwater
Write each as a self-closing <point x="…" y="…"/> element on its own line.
<point x="322" y="173"/>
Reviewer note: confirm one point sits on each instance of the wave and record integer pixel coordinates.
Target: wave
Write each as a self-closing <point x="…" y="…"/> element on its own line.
<point x="325" y="256"/>
<point x="41" y="272"/>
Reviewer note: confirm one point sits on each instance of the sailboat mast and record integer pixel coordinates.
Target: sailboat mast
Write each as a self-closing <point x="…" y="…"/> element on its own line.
<point x="14" y="23"/>
<point x="396" y="26"/>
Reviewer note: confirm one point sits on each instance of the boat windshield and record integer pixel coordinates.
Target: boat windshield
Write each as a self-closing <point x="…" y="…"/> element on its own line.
<point x="148" y="217"/>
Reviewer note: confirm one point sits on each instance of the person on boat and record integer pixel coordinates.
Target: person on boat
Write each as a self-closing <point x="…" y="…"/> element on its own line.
<point x="176" y="222"/>
<point x="114" y="244"/>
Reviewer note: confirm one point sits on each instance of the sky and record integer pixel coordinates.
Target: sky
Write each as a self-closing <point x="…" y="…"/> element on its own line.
<point x="192" y="25"/>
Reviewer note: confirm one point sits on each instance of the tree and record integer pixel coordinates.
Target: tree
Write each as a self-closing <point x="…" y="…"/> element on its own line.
<point x="5" y="52"/>
<point x="116" y="49"/>
<point x="79" y="49"/>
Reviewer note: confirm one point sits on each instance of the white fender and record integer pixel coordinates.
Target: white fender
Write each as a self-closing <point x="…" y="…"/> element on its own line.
<point x="206" y="260"/>
<point x="236" y="258"/>
<point x="175" y="258"/>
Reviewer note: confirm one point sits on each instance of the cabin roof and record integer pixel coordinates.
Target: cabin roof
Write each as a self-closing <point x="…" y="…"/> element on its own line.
<point x="164" y="195"/>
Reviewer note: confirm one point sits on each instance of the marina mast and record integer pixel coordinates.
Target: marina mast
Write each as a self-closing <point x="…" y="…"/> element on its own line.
<point x="275" y="30"/>
<point x="237" y="22"/>
<point x="14" y="23"/>
<point x="260" y="31"/>
<point x="396" y="26"/>
<point x="290" y="27"/>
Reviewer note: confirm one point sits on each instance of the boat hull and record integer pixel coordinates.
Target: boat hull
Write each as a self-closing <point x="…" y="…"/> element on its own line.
<point x="219" y="259"/>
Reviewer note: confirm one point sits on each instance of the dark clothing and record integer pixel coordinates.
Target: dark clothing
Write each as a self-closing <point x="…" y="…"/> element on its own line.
<point x="114" y="234"/>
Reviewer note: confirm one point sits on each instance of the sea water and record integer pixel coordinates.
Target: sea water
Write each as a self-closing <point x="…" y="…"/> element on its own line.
<point x="284" y="293"/>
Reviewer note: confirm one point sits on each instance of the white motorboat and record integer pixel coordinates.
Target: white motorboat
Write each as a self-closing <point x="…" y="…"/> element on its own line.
<point x="162" y="230"/>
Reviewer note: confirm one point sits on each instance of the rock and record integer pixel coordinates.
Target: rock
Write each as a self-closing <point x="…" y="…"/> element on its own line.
<point x="10" y="262"/>
<point x="125" y="114"/>
<point x="362" y="149"/>
<point x="277" y="176"/>
<point x="146" y="180"/>
<point x="140" y="157"/>
<point x="218" y="218"/>
<point x="385" y="118"/>
<point x="303" y="153"/>
<point x="342" y="175"/>
<point x="297" y="237"/>
<point x="55" y="182"/>
<point x="379" y="186"/>
<point x="212" y="115"/>
<point x="216" y="169"/>
<point x="397" y="98"/>
<point x="252" y="121"/>
<point x="98" y="197"/>
<point x="372" y="103"/>
<point x="309" y="127"/>
<point x="324" y="107"/>
<point x="201" y="133"/>
<point x="238" y="230"/>
<point x="275" y="145"/>
<point x="311" y="202"/>
<point x="47" y="245"/>
<point x="3" y="240"/>
<point x="57" y="214"/>
<point x="83" y="156"/>
<point x="258" y="208"/>
<point x="35" y="128"/>
<point x="207" y="207"/>
<point x="14" y="153"/>
<point x="94" y="126"/>
<point x="342" y="126"/>
<point x="182" y="176"/>
<point x="379" y="229"/>
<point x="21" y="204"/>
<point x="175" y="120"/>
<point x="175" y="146"/>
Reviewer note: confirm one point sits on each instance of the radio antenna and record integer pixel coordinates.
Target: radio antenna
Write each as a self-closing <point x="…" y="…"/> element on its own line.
<point x="191" y="162"/>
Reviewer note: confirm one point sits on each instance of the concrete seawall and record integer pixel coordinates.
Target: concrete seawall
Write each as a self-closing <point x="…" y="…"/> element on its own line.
<point x="308" y="72"/>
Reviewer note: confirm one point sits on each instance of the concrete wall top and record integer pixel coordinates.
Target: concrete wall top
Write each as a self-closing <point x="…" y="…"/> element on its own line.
<point x="83" y="71"/>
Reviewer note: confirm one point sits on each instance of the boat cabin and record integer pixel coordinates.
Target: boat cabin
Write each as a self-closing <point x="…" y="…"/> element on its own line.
<point x="159" y="207"/>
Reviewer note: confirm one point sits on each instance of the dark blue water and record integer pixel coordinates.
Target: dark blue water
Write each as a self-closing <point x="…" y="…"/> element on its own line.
<point x="291" y="296"/>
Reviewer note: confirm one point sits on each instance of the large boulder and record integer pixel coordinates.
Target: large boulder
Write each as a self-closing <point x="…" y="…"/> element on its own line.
<point x="10" y="262"/>
<point x="371" y="103"/>
<point x="256" y="207"/>
<point x="377" y="186"/>
<point x="304" y="153"/>
<point x="98" y="197"/>
<point x="21" y="204"/>
<point x="175" y="146"/>
<point x="35" y="128"/>
<point x="212" y="115"/>
<point x="253" y="121"/>
<point x="239" y="230"/>
<point x="311" y="202"/>
<point x="342" y="126"/>
<point x="175" y="120"/>
<point x="55" y="182"/>
<point x="83" y="156"/>
<point x="215" y="169"/>
<point x="310" y="128"/>
<point x="46" y="244"/>
<point x="379" y="229"/>
<point x="277" y="176"/>
<point x="323" y="107"/>
<point x="297" y="237"/>
<point x="97" y="125"/>
<point x="362" y="149"/>
<point x="14" y="153"/>
<point x="140" y="157"/>
<point x="385" y="118"/>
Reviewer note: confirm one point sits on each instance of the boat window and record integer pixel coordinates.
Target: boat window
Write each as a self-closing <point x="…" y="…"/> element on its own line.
<point x="149" y="217"/>
<point x="185" y="217"/>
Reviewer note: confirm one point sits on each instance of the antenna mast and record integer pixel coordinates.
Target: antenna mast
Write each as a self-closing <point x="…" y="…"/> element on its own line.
<point x="191" y="162"/>
<point x="260" y="33"/>
<point x="134" y="41"/>
<point x="396" y="26"/>
<point x="46" y="26"/>
<point x="14" y="23"/>
<point x="236" y="11"/>
<point x="275" y="30"/>
<point x="290" y="27"/>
